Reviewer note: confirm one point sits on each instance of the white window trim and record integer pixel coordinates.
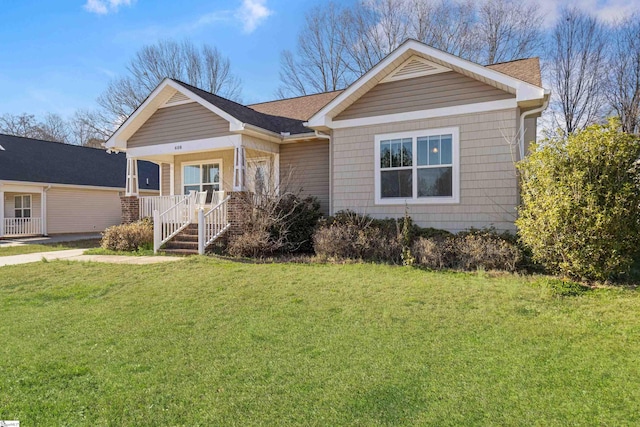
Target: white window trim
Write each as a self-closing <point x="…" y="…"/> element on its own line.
<point x="455" y="153"/>
<point x="199" y="163"/>
<point x="23" y="208"/>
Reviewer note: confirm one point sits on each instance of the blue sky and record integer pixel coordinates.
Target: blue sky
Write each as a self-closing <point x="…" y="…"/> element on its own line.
<point x="58" y="56"/>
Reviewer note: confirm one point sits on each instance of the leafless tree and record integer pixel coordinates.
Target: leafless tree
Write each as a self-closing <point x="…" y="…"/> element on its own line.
<point x="508" y="30"/>
<point x="318" y="65"/>
<point x="51" y="128"/>
<point x="204" y="67"/>
<point x="447" y="25"/>
<point x="19" y="125"/>
<point x="623" y="85"/>
<point x="577" y="61"/>
<point x="89" y="128"/>
<point x="340" y="43"/>
<point x="372" y="29"/>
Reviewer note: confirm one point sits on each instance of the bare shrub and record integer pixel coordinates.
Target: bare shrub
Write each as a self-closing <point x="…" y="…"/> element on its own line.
<point x="349" y="235"/>
<point x="468" y="251"/>
<point x="128" y="237"/>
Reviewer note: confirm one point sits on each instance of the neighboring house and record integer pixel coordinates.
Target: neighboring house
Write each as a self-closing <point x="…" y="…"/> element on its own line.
<point x="52" y="188"/>
<point x="422" y="129"/>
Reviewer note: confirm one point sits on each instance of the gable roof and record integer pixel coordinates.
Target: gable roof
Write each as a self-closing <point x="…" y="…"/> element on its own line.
<point x="34" y="160"/>
<point x="299" y="115"/>
<point x="526" y="94"/>
<point x="277" y="124"/>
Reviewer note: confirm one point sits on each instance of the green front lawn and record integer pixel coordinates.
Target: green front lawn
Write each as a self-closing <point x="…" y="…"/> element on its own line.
<point x="30" y="249"/>
<point x="210" y="342"/>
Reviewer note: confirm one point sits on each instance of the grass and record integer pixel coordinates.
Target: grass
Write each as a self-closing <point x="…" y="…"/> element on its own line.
<point x="102" y="251"/>
<point x="48" y="247"/>
<point x="210" y="342"/>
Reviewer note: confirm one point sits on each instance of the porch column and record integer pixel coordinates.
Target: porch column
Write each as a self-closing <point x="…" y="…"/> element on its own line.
<point x="43" y="210"/>
<point x="1" y="211"/>
<point x="239" y="162"/>
<point x="131" y="186"/>
<point x="172" y="182"/>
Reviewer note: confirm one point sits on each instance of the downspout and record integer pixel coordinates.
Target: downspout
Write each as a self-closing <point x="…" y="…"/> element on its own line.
<point x="328" y="137"/>
<point x="529" y="113"/>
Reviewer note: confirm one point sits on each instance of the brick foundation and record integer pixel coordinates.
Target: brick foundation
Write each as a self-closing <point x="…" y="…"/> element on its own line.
<point x="237" y="213"/>
<point x="130" y="206"/>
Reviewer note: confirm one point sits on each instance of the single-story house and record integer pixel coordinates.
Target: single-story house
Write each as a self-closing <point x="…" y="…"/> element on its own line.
<point x="423" y="129"/>
<point x="52" y="188"/>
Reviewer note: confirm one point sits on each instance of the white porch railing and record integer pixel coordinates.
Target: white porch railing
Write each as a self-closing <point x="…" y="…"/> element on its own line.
<point x="212" y="224"/>
<point x="22" y="226"/>
<point x="157" y="203"/>
<point x="170" y="222"/>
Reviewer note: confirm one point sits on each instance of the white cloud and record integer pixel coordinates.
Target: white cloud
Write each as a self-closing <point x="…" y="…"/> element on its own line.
<point x="607" y="10"/>
<point x="252" y="13"/>
<point x="103" y="7"/>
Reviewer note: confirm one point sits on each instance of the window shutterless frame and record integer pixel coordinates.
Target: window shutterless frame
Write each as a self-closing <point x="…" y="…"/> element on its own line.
<point x="22" y="206"/>
<point x="415" y="199"/>
<point x="200" y="163"/>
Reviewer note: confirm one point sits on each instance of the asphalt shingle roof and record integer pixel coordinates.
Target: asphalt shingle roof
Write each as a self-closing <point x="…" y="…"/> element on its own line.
<point x="34" y="160"/>
<point x="277" y="124"/>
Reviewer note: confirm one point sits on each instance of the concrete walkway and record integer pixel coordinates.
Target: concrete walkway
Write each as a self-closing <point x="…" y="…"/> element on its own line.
<point x="77" y="255"/>
<point x="39" y="240"/>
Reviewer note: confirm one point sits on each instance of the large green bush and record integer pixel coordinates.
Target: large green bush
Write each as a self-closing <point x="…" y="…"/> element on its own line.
<point x="580" y="212"/>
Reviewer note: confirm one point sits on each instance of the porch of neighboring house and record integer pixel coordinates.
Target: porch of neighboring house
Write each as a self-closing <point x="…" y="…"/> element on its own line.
<point x="22" y="211"/>
<point x="197" y="193"/>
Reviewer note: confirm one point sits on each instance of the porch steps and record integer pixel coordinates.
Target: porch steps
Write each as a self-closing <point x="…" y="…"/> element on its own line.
<point x="184" y="243"/>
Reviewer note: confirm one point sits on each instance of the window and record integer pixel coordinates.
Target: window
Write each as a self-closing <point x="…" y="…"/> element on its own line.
<point x="417" y="167"/>
<point x="22" y="206"/>
<point x="205" y="176"/>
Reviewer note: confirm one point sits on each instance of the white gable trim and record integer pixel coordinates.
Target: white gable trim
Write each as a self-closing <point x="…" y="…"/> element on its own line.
<point x="480" y="107"/>
<point x="116" y="141"/>
<point x="524" y="91"/>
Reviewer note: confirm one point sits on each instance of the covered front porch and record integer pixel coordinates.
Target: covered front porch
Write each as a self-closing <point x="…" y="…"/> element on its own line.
<point x="23" y="210"/>
<point x="196" y="186"/>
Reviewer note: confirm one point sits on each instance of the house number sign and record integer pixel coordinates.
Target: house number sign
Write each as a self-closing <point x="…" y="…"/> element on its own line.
<point x="177" y="147"/>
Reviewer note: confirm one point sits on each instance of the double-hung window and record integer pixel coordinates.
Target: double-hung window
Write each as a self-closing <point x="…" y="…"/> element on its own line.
<point x="417" y="167"/>
<point x="22" y="206"/>
<point x="205" y="176"/>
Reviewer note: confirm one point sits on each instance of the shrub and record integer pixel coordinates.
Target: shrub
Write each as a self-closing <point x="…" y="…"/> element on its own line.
<point x="349" y="235"/>
<point x="276" y="224"/>
<point x="467" y="251"/>
<point x="253" y="243"/>
<point x="301" y="217"/>
<point x="128" y="237"/>
<point x="580" y="212"/>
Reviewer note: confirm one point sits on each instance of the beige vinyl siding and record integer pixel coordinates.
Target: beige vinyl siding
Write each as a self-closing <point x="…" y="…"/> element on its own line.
<point x="165" y="176"/>
<point x="421" y="93"/>
<point x="227" y="167"/>
<point x="530" y="131"/>
<point x="9" y="204"/>
<point x="488" y="184"/>
<point x="75" y="210"/>
<point x="305" y="166"/>
<point x="179" y="123"/>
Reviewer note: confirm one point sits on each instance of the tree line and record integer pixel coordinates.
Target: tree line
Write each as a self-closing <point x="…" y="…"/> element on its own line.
<point x="592" y="67"/>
